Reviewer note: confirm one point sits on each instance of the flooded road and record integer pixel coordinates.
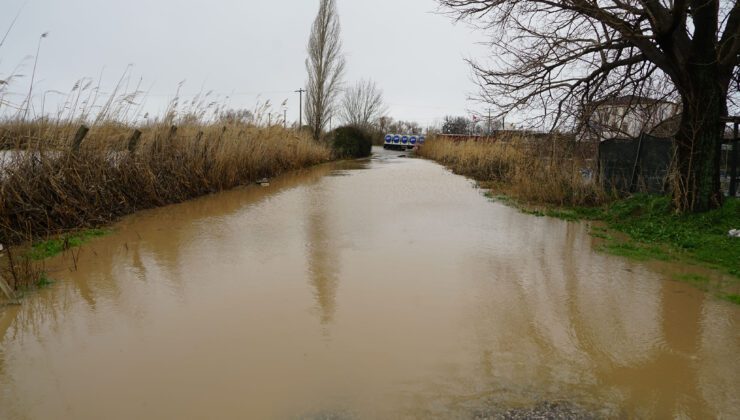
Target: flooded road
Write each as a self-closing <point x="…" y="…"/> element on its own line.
<point x="386" y="288"/>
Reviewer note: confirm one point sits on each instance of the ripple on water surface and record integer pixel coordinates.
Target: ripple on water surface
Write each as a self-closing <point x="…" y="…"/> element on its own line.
<point x="381" y="288"/>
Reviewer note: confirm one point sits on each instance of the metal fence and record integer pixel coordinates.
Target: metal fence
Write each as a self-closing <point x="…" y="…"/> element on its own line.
<point x="644" y="164"/>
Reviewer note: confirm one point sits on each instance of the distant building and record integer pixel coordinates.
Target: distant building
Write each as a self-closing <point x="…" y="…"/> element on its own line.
<point x="625" y="117"/>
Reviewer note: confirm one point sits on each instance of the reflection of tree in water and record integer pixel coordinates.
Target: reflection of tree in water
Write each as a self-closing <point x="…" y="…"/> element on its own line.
<point x="154" y="243"/>
<point x="717" y="359"/>
<point x="322" y="258"/>
<point x="5" y="321"/>
<point x="573" y="318"/>
<point x="207" y="222"/>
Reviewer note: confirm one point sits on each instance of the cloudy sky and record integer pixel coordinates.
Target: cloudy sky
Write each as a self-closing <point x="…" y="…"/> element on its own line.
<point x="249" y="50"/>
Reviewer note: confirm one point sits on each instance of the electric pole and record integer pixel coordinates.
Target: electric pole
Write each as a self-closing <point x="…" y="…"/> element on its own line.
<point x="300" y="107"/>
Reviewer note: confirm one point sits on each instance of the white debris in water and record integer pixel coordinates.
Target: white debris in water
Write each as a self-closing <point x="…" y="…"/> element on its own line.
<point x="264" y="182"/>
<point x="734" y="233"/>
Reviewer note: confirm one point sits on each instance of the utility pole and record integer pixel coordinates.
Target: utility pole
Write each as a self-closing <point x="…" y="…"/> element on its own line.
<point x="300" y="107"/>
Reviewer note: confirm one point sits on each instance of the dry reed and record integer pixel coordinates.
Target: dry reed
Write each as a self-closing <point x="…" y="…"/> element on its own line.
<point x="552" y="171"/>
<point x="48" y="187"/>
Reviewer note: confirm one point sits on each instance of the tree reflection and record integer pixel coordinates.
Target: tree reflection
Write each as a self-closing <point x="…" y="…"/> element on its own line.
<point x="322" y="256"/>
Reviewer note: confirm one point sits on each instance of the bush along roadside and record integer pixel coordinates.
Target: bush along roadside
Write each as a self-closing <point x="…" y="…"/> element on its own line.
<point x="351" y="142"/>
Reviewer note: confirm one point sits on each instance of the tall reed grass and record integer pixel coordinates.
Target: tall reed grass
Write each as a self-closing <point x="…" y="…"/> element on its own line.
<point x="48" y="187"/>
<point x="54" y="180"/>
<point x="552" y="171"/>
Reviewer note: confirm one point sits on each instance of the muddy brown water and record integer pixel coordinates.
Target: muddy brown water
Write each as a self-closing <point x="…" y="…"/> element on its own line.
<point x="386" y="288"/>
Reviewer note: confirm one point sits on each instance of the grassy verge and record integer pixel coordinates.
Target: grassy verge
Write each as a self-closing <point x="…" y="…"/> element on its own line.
<point x="51" y="247"/>
<point x="641" y="227"/>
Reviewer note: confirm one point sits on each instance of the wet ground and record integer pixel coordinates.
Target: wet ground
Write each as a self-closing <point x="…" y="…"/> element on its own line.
<point x="385" y="288"/>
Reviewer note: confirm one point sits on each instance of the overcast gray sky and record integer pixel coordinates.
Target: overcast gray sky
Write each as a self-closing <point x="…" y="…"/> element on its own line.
<point x="242" y="49"/>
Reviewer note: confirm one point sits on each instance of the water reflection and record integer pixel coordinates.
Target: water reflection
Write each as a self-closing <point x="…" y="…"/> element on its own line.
<point x="322" y="248"/>
<point x="322" y="255"/>
<point x="439" y="303"/>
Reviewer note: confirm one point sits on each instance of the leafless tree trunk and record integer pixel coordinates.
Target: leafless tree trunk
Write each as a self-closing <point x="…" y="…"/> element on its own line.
<point x="362" y="104"/>
<point x="560" y="56"/>
<point x="325" y="66"/>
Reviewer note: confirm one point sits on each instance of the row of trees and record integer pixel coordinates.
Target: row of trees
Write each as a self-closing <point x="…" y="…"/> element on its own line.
<point x="471" y="126"/>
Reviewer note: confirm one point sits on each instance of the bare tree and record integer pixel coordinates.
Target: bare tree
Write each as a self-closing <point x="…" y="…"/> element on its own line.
<point x="456" y="125"/>
<point x="362" y="104"/>
<point x="559" y="56"/>
<point x="325" y="65"/>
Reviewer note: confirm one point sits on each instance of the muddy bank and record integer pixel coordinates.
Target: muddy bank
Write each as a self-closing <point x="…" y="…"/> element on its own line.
<point x="385" y="288"/>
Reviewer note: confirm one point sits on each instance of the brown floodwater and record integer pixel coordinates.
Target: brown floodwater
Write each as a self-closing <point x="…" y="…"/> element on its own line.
<point x="385" y="288"/>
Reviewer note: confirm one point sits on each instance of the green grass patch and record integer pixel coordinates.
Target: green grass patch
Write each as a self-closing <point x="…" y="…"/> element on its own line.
<point x="650" y="220"/>
<point x="505" y="199"/>
<point x="44" y="281"/>
<point x="636" y="251"/>
<point x="576" y="213"/>
<point x="695" y="279"/>
<point x="52" y="247"/>
<point x="602" y="235"/>
<point x="708" y="285"/>
<point x="732" y="298"/>
<point x="533" y="212"/>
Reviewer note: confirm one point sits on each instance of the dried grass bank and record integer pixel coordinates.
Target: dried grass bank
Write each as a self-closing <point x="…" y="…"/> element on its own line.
<point x="52" y="182"/>
<point x="552" y="171"/>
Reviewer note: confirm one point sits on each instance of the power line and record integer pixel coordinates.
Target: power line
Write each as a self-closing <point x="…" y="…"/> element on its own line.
<point x="269" y="92"/>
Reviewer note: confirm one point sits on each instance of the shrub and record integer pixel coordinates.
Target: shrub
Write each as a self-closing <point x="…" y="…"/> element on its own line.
<point x="351" y="142"/>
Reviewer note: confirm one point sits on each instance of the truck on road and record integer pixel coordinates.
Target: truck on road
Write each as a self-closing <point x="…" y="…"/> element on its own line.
<point x="403" y="141"/>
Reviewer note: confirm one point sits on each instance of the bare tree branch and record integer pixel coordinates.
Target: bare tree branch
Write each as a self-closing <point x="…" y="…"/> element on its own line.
<point x="552" y="58"/>
<point x="362" y="104"/>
